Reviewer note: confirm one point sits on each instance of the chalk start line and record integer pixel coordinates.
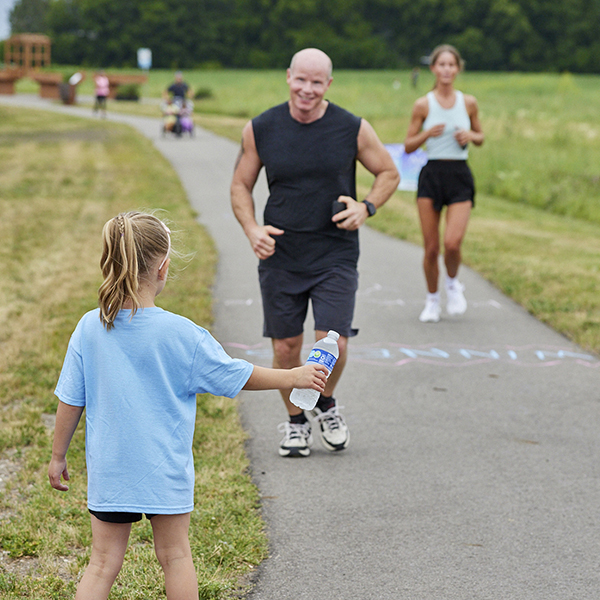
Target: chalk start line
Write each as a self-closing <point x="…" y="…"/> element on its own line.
<point x="366" y="298"/>
<point x="397" y="355"/>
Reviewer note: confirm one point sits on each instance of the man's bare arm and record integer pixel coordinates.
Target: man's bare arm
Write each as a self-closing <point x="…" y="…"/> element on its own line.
<point x="376" y="159"/>
<point x="247" y="168"/>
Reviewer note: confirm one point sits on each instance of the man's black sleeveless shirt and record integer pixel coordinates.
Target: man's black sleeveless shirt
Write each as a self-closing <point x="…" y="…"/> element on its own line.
<point x="308" y="166"/>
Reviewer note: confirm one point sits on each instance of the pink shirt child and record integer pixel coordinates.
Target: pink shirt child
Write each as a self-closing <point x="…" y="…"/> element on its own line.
<point x="101" y="85"/>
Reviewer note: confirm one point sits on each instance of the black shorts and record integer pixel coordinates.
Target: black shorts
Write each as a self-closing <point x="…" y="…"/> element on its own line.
<point x="118" y="517"/>
<point x="446" y="182"/>
<point x="100" y="100"/>
<point x="285" y="297"/>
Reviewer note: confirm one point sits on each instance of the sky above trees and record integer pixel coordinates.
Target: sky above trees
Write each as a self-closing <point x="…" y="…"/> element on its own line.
<point x="5" y="8"/>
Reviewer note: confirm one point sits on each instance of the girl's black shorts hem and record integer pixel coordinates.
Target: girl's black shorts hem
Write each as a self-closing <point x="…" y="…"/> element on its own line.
<point x="118" y="517"/>
<point x="446" y="182"/>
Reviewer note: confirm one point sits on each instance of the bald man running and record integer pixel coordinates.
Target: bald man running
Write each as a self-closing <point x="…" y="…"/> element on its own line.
<point x="307" y="251"/>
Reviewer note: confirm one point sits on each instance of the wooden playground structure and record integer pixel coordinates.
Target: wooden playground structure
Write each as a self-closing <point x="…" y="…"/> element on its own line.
<point x="26" y="53"/>
<point x="23" y="53"/>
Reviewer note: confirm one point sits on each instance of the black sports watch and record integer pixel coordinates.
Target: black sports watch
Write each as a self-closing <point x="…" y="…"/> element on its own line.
<point x="370" y="207"/>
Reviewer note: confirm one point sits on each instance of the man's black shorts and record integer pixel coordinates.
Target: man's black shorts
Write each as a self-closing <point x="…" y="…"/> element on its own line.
<point x="285" y="297"/>
<point x="446" y="182"/>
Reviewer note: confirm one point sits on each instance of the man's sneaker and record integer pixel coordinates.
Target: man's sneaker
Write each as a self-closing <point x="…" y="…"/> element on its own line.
<point x="332" y="427"/>
<point x="456" y="302"/>
<point x="431" y="312"/>
<point x="297" y="439"/>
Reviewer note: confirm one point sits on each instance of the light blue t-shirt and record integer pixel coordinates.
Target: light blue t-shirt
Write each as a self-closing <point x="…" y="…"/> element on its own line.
<point x="138" y="383"/>
<point x="445" y="147"/>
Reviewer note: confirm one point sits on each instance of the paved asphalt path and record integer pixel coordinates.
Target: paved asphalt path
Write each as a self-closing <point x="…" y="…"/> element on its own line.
<point x="474" y="463"/>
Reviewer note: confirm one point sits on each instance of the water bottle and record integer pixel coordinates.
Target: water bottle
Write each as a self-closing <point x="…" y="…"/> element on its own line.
<point x="325" y="352"/>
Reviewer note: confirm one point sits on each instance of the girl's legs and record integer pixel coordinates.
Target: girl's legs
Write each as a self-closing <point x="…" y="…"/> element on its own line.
<point x="430" y="226"/>
<point x="172" y="547"/>
<point x="109" y="543"/>
<point x="457" y="219"/>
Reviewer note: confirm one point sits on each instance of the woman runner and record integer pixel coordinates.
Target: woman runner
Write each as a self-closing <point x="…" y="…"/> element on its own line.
<point x="446" y="120"/>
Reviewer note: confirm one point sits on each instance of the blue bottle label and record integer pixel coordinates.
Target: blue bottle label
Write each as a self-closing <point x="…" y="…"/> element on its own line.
<point x="322" y="357"/>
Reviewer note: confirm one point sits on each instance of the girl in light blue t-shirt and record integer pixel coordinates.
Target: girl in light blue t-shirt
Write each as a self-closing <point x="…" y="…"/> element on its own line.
<point x="136" y="369"/>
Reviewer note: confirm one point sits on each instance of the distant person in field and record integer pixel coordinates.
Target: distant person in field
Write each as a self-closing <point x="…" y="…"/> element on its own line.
<point x="101" y="91"/>
<point x="179" y="89"/>
<point x="414" y="77"/>
<point x="446" y="121"/>
<point x="309" y="148"/>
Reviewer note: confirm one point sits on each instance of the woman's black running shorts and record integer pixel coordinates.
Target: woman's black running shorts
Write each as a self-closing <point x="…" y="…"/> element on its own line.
<point x="446" y="182"/>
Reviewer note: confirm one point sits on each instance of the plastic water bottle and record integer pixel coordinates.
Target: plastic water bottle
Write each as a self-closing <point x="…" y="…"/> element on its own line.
<point x="325" y="352"/>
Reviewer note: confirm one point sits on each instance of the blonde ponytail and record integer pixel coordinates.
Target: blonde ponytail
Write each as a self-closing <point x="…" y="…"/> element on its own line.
<point x="132" y="243"/>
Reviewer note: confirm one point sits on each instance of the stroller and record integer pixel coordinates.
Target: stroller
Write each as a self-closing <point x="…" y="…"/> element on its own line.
<point x="177" y="117"/>
<point x="185" y="117"/>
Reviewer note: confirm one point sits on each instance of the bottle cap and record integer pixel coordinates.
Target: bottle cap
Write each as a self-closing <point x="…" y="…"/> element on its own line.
<point x="333" y="334"/>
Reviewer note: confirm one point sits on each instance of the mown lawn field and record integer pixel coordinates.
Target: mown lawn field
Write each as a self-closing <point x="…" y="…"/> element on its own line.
<point x="61" y="179"/>
<point x="536" y="228"/>
<point x="535" y="234"/>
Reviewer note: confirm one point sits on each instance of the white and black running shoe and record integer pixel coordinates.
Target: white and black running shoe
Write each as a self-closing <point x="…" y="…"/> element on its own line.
<point x="297" y="439"/>
<point x="332" y="427"/>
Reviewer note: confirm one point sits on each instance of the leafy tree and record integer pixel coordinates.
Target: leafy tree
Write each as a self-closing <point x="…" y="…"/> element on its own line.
<point x="491" y="34"/>
<point x="29" y="16"/>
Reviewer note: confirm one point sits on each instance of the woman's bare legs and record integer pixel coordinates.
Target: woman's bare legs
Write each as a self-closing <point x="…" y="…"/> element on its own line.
<point x="430" y="227"/>
<point x="457" y="219"/>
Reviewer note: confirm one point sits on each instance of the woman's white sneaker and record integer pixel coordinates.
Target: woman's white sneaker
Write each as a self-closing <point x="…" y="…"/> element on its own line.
<point x="456" y="301"/>
<point x="431" y="312"/>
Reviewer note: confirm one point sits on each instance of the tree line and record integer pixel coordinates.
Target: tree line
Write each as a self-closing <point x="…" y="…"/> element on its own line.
<point x="524" y="35"/>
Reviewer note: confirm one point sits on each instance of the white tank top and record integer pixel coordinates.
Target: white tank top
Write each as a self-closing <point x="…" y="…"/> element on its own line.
<point x="445" y="146"/>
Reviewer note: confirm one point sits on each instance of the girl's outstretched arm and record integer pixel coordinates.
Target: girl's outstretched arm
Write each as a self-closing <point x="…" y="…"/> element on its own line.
<point x="67" y="418"/>
<point x="309" y="376"/>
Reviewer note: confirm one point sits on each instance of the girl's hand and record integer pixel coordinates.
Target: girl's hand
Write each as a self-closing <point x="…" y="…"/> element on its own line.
<point x="55" y="470"/>
<point x="311" y="376"/>
<point x="436" y="130"/>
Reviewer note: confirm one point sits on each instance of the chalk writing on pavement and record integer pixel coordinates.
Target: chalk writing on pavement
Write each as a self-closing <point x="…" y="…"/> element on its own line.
<point x="397" y="355"/>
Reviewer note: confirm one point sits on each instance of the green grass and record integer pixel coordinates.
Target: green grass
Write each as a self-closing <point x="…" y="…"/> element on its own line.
<point x="548" y="263"/>
<point x="542" y="130"/>
<point x="535" y="230"/>
<point x="538" y="171"/>
<point x="535" y="233"/>
<point x="61" y="179"/>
